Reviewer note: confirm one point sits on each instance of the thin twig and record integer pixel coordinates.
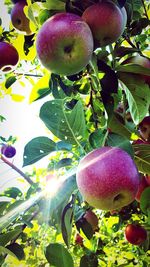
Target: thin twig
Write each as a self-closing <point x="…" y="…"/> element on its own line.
<point x="27" y="178"/>
<point x="146" y="14"/>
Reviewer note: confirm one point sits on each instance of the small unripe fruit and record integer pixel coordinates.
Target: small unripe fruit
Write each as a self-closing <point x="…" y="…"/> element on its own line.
<point x="92" y="219"/>
<point x="64" y="44"/>
<point x="79" y="240"/>
<point x="8" y="151"/>
<point x="135" y="234"/>
<point x="107" y="178"/>
<point x="19" y="19"/>
<point x="8" y="57"/>
<point x="106" y="21"/>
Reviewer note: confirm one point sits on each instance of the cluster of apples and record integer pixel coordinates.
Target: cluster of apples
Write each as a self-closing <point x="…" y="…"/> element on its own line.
<point x="65" y="42"/>
<point x="9" y="54"/>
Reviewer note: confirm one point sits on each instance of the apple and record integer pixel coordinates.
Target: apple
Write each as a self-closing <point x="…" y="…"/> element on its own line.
<point x="135" y="234"/>
<point x="8" y="57"/>
<point x="92" y="219"/>
<point x="140" y="141"/>
<point x="148" y="179"/>
<point x="106" y="20"/>
<point x="142" y="61"/>
<point x="144" y="128"/>
<point x="107" y="178"/>
<point x="79" y="240"/>
<point x="8" y="151"/>
<point x="19" y="19"/>
<point x="64" y="44"/>
<point x="142" y="185"/>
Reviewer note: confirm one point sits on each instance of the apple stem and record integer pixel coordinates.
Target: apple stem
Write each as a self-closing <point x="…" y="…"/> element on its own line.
<point x="17" y="170"/>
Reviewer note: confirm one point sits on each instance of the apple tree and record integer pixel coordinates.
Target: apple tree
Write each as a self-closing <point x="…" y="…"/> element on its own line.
<point x="88" y="62"/>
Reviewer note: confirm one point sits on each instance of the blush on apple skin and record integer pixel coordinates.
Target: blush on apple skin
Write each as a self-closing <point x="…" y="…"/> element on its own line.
<point x="19" y="19"/>
<point x="106" y="21"/>
<point x="135" y="234"/>
<point x="9" y="57"/>
<point x="64" y="44"/>
<point x="108" y="178"/>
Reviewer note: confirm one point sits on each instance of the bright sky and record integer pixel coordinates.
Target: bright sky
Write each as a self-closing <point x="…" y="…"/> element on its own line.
<point x="22" y="121"/>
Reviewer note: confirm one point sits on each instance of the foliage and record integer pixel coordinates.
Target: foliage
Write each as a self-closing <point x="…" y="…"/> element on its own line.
<point x="101" y="105"/>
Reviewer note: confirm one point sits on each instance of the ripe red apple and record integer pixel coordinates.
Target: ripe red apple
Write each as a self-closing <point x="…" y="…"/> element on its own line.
<point x="148" y="179"/>
<point x="144" y="128"/>
<point x="142" y="61"/>
<point x="142" y="185"/>
<point x="107" y="178"/>
<point x="106" y="21"/>
<point x="79" y="240"/>
<point x="135" y="234"/>
<point x="92" y="219"/>
<point x="64" y="44"/>
<point x="19" y="19"/>
<point x="8" y="151"/>
<point x="8" y="57"/>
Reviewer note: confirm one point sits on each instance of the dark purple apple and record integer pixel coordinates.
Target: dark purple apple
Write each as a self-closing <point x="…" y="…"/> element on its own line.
<point x="19" y="19"/>
<point x="64" y="44"/>
<point x="135" y="234"/>
<point x="8" y="151"/>
<point x="8" y="57"/>
<point x="108" y="178"/>
<point x="144" y="128"/>
<point x="92" y="219"/>
<point x="106" y="20"/>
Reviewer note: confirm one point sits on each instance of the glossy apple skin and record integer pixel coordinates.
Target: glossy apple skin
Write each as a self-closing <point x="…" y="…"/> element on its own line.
<point x="92" y="219"/>
<point x="144" y="128"/>
<point x="135" y="234"/>
<point x="8" y="151"/>
<point x="8" y="57"/>
<point x="106" y="21"/>
<point x="19" y="19"/>
<point x="142" y="185"/>
<point x="64" y="44"/>
<point x="107" y="178"/>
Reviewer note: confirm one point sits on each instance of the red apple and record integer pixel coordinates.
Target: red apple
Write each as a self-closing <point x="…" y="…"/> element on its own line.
<point x="8" y="57"/>
<point x="142" y="185"/>
<point x="144" y="128"/>
<point x="19" y="19"/>
<point x="108" y="178"/>
<point x="92" y="219"/>
<point x="79" y="240"/>
<point x="135" y="234"/>
<point x="106" y="21"/>
<point x="148" y="179"/>
<point x="64" y="44"/>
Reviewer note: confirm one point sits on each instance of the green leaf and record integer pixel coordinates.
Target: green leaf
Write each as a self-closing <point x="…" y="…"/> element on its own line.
<point x="133" y="68"/>
<point x="63" y="163"/>
<point x="66" y="222"/>
<point x="15" y="204"/>
<point x="10" y="81"/>
<point x="38" y="148"/>
<point x="3" y="205"/>
<point x="17" y="250"/>
<point x="61" y="145"/>
<point x="12" y="192"/>
<point x="4" y="251"/>
<point x="66" y="125"/>
<point x="40" y="89"/>
<point x="138" y="96"/>
<point x="144" y="200"/>
<point x="10" y="235"/>
<point x="120" y="141"/>
<point x="142" y="157"/>
<point x="96" y="139"/>
<point x="58" y="256"/>
<point x="117" y="126"/>
<point x="89" y="261"/>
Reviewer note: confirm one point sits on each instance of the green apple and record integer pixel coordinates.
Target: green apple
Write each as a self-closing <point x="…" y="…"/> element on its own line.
<point x="64" y="44"/>
<point x="19" y="19"/>
<point x="142" y="185"/>
<point x="8" y="57"/>
<point x="107" y="178"/>
<point x="106" y="20"/>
